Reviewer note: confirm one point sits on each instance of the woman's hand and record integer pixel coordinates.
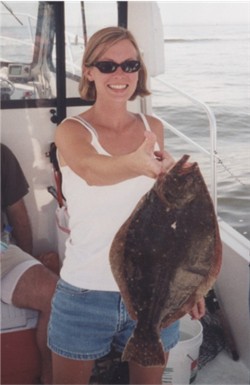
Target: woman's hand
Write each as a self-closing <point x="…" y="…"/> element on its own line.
<point x="166" y="159"/>
<point x="198" y="310"/>
<point x="150" y="162"/>
<point x="144" y="160"/>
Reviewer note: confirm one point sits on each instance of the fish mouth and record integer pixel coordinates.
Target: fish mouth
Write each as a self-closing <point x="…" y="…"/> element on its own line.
<point x="182" y="167"/>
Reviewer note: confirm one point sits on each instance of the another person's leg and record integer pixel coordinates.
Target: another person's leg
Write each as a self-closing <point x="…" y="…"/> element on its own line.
<point x="35" y="290"/>
<point x="29" y="284"/>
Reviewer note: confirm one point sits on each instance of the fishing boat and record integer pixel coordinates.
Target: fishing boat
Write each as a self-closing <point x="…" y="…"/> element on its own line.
<point x="40" y="67"/>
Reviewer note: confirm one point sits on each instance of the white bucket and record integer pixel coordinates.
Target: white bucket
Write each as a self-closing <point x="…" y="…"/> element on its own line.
<point x="182" y="366"/>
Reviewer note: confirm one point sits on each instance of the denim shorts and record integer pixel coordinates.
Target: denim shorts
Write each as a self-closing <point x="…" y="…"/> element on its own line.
<point x="85" y="324"/>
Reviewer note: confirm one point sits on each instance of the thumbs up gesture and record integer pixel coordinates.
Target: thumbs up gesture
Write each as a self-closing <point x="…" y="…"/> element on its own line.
<point x="150" y="161"/>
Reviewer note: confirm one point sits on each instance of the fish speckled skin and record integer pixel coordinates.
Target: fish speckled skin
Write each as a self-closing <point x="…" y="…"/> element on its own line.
<point x="165" y="257"/>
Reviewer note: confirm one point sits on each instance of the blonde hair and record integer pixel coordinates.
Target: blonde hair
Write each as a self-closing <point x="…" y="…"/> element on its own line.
<point x="95" y="48"/>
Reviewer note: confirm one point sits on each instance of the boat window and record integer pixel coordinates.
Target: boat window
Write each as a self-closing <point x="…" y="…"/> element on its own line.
<point x="82" y="19"/>
<point x="29" y="67"/>
<point x="18" y="27"/>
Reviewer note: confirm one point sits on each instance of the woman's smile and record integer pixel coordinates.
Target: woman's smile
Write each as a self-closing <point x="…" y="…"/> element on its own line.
<point x="118" y="86"/>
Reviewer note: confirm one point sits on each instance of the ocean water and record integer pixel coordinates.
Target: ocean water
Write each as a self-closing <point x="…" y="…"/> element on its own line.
<point x="212" y="64"/>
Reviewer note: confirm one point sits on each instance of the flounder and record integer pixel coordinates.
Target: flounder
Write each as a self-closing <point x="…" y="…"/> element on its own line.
<point x="166" y="257"/>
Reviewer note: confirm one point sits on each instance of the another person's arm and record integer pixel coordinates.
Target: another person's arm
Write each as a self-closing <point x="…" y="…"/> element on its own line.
<point x="19" y="220"/>
<point x="14" y="187"/>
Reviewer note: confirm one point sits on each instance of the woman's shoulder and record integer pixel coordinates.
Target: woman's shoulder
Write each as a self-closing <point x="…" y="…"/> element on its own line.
<point x="155" y="124"/>
<point x="154" y="121"/>
<point x="72" y="127"/>
<point x="70" y="120"/>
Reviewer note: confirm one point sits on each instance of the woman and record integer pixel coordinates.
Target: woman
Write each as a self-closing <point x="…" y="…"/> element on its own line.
<point x="109" y="158"/>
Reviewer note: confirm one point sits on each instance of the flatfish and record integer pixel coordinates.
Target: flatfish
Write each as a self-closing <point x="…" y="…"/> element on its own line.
<point x="165" y="257"/>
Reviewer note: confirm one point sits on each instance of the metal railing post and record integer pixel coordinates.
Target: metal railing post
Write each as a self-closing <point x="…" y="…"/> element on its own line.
<point x="213" y="137"/>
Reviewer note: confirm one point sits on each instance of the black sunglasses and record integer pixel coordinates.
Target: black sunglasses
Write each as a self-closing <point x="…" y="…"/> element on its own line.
<point x="107" y="67"/>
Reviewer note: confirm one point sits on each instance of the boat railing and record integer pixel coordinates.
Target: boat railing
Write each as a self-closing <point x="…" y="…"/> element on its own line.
<point x="213" y="135"/>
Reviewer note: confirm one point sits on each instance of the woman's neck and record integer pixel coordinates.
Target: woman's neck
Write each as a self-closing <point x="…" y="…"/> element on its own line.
<point x="116" y="117"/>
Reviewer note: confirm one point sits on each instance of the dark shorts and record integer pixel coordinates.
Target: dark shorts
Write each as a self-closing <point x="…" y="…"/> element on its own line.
<point x="84" y="324"/>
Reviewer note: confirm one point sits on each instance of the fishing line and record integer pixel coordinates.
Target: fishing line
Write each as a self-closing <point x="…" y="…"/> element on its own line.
<point x="202" y="149"/>
<point x="228" y="170"/>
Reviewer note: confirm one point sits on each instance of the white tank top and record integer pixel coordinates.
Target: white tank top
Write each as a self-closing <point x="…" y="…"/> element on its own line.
<point x="95" y="215"/>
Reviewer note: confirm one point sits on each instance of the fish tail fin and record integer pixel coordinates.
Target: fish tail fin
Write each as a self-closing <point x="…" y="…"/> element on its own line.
<point x="145" y="350"/>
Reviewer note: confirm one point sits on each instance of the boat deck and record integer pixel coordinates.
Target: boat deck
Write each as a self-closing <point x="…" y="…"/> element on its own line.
<point x="223" y="370"/>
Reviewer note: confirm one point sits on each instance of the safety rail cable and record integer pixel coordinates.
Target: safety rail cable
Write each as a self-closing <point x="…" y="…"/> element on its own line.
<point x="213" y="136"/>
